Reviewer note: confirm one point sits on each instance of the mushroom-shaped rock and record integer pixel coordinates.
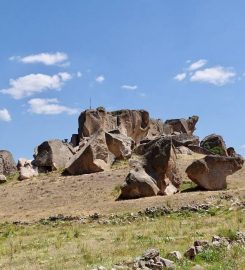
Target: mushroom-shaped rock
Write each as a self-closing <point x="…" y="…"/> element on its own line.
<point x="210" y="172"/>
<point x="7" y="163"/>
<point x="52" y="155"/>
<point x="94" y="156"/>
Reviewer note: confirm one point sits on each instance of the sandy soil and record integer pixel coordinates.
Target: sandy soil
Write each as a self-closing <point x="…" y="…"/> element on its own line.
<point x="53" y="194"/>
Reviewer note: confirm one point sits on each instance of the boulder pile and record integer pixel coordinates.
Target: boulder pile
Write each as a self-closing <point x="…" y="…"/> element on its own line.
<point x="152" y="146"/>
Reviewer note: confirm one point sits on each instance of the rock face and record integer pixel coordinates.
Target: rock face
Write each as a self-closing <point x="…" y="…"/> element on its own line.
<point x="215" y="144"/>
<point x="26" y="169"/>
<point x="138" y="184"/>
<point x="52" y="155"/>
<point x="210" y="172"/>
<point x="119" y="145"/>
<point x="132" y="123"/>
<point x="7" y="163"/>
<point x="156" y="169"/>
<point x="187" y="126"/>
<point x="92" y="157"/>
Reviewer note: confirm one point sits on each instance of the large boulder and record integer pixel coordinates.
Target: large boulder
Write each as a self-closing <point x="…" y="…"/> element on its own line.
<point x="119" y="145"/>
<point x="210" y="172"/>
<point x="182" y="125"/>
<point x="52" y="155"/>
<point x="138" y="184"/>
<point x="3" y="179"/>
<point x="7" y="163"/>
<point x="215" y="144"/>
<point x="157" y="128"/>
<point x="160" y="164"/>
<point x="92" y="157"/>
<point x="26" y="169"/>
<point x="132" y="123"/>
<point x="157" y="168"/>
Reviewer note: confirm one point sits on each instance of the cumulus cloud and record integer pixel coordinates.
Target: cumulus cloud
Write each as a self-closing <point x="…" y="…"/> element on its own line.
<point x="49" y="107"/>
<point x="79" y="74"/>
<point x="129" y="87"/>
<point x="5" y="115"/>
<point x="49" y="59"/>
<point x="100" y="79"/>
<point x="180" y="76"/>
<point x="215" y="75"/>
<point x="197" y="65"/>
<point x="35" y="83"/>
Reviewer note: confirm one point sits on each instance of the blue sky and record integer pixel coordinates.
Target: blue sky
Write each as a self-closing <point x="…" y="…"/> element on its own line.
<point x="172" y="58"/>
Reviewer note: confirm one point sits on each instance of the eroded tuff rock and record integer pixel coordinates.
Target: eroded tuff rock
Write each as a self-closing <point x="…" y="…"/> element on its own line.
<point x="26" y="169"/>
<point x="93" y="156"/>
<point x="182" y="125"/>
<point x="119" y="145"/>
<point x="132" y="123"/>
<point x="52" y="155"/>
<point x="156" y="168"/>
<point x="211" y="171"/>
<point x="7" y="163"/>
<point x="215" y="144"/>
<point x="138" y="184"/>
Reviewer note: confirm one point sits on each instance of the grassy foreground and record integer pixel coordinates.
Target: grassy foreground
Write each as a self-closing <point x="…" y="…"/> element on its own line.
<point x="72" y="245"/>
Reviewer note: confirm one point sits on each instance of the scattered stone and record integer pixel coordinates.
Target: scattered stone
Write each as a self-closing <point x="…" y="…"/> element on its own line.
<point x="210" y="172"/>
<point x="190" y="253"/>
<point x="176" y="255"/>
<point x="3" y="178"/>
<point x="26" y="169"/>
<point x="7" y="163"/>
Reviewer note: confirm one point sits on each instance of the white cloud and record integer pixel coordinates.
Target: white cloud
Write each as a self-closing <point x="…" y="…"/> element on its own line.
<point x="197" y="65"/>
<point x="35" y="83"/>
<point x="215" y="75"/>
<point x="129" y="87"/>
<point x="100" y="79"/>
<point x="243" y="147"/>
<point x="5" y="115"/>
<point x="43" y="58"/>
<point x="180" y="76"/>
<point x="49" y="107"/>
<point x="79" y="74"/>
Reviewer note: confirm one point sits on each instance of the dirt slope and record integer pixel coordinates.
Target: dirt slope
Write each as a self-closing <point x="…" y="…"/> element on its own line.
<point x="54" y="194"/>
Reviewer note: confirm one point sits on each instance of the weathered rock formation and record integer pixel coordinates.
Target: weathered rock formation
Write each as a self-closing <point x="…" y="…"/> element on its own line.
<point x="156" y="169"/>
<point x="132" y="123"/>
<point x="187" y="126"/>
<point x="26" y="169"/>
<point x="52" y="155"/>
<point x="210" y="172"/>
<point x="138" y="184"/>
<point x="215" y="144"/>
<point x="3" y="178"/>
<point x="7" y="163"/>
<point x="119" y="145"/>
<point x="93" y="156"/>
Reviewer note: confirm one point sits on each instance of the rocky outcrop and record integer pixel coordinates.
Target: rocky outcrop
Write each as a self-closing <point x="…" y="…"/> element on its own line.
<point x="157" y="128"/>
<point x="132" y="123"/>
<point x="182" y="125"/>
<point x="210" y="172"/>
<point x="138" y="184"/>
<point x="26" y="169"/>
<point x="7" y="163"/>
<point x="157" y="168"/>
<point x="52" y="155"/>
<point x="119" y="145"/>
<point x="93" y="156"/>
<point x="215" y="144"/>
